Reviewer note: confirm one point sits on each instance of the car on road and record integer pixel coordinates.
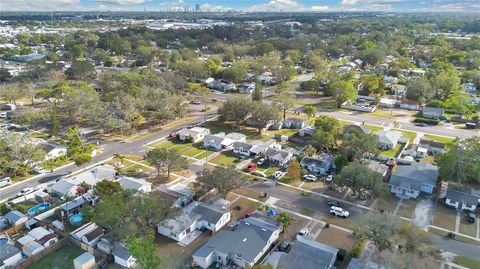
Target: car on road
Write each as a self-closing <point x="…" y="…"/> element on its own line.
<point x="258" y="173"/>
<point x="251" y="167"/>
<point x="334" y="203"/>
<point x="26" y="191"/>
<point x="339" y="212"/>
<point x="277" y="174"/>
<point x="303" y="232"/>
<point x="215" y="99"/>
<point x="196" y="103"/>
<point x="261" y="161"/>
<point x="329" y="178"/>
<point x="420" y="124"/>
<point x="310" y="177"/>
<point x="38" y="170"/>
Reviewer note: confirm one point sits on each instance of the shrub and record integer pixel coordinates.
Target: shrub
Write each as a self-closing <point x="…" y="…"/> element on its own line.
<point x="327" y="225"/>
<point x="427" y="121"/>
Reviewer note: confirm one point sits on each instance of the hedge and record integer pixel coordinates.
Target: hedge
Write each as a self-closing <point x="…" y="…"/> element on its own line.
<point x="427" y="121"/>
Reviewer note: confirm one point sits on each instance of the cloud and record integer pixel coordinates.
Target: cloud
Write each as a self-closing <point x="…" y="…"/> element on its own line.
<point x="40" y="5"/>
<point x="119" y="2"/>
<point x="211" y="7"/>
<point x="370" y="5"/>
<point x="285" y="5"/>
<point x="453" y="6"/>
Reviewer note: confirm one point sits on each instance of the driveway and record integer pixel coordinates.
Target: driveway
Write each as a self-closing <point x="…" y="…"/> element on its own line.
<point x="423" y="214"/>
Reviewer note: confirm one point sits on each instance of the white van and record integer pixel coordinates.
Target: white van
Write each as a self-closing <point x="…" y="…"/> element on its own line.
<point x="5" y="181"/>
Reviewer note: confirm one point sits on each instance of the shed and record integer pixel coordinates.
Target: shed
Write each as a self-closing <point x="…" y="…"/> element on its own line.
<point x="84" y="261"/>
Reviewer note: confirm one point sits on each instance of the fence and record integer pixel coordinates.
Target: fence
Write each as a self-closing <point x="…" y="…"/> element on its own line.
<point x="14" y="230"/>
<point x="98" y="254"/>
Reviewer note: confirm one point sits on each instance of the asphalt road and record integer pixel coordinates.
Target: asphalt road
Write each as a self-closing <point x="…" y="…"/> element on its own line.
<point x="453" y="246"/>
<point x="130" y="148"/>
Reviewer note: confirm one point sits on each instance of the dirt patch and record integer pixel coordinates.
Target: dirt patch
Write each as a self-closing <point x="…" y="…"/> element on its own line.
<point x="176" y="256"/>
<point x="444" y="217"/>
<point x="337" y="238"/>
<point x="292" y="230"/>
<point x="241" y="207"/>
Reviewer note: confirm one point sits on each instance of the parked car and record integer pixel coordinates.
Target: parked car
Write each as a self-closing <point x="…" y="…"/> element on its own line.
<point x="249" y="213"/>
<point x="215" y="99"/>
<point x="420" y="124"/>
<point x="284" y="246"/>
<point x="471" y="217"/>
<point x="232" y="226"/>
<point x="303" y="232"/>
<point x="172" y="134"/>
<point x="258" y="173"/>
<point x="251" y="167"/>
<point x="25" y="191"/>
<point x="310" y="177"/>
<point x="38" y="170"/>
<point x="261" y="161"/>
<point x="329" y="178"/>
<point x="339" y="212"/>
<point x="334" y="203"/>
<point x="277" y="175"/>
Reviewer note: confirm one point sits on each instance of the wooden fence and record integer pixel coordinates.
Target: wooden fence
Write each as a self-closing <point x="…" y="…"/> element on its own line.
<point x="14" y="230"/>
<point x="26" y="262"/>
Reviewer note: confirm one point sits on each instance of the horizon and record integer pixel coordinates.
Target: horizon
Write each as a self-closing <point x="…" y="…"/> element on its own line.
<point x="250" y="6"/>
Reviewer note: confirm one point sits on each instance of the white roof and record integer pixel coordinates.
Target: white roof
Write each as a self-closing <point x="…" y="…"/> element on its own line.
<point x="133" y="183"/>
<point x="39" y="232"/>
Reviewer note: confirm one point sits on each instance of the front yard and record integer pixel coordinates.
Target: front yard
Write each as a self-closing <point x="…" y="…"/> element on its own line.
<point x="227" y="158"/>
<point x="444" y="217"/>
<point x="440" y="139"/>
<point x="407" y="134"/>
<point x="336" y="238"/>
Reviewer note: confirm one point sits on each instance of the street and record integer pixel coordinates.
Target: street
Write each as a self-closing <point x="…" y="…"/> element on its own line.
<point x="127" y="148"/>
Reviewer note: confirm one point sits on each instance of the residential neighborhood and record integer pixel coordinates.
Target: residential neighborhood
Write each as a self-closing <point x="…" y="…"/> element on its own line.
<point x="276" y="135"/>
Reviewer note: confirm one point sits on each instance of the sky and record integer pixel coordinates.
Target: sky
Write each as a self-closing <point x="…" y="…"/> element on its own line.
<point x="245" y="5"/>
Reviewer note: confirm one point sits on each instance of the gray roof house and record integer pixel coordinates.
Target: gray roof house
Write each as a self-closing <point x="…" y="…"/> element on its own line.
<point x="122" y="256"/>
<point x="194" y="218"/>
<point x="243" y="246"/>
<point x="16" y="217"/>
<point x="388" y="139"/>
<point x="9" y="256"/>
<point x="462" y="200"/>
<point x="353" y="127"/>
<point x="433" y="112"/>
<point x="407" y="181"/>
<point x="305" y="254"/>
<point x="319" y="165"/>
<point x="294" y="123"/>
<point x="278" y="156"/>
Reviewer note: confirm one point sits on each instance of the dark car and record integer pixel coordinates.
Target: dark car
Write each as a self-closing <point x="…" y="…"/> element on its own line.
<point x="421" y="124"/>
<point x="285" y="246"/>
<point x="334" y="203"/>
<point x="471" y="217"/>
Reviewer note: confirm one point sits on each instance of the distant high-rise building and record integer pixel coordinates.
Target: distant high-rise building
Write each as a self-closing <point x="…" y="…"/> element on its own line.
<point x="197" y="7"/>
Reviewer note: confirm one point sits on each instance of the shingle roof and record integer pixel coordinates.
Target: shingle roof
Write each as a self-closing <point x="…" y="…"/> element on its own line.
<point x="349" y="127"/>
<point x="121" y="251"/>
<point x="14" y="215"/>
<point x="432" y="143"/>
<point x="412" y="176"/>
<point x="94" y="234"/>
<point x="308" y="254"/>
<point x="7" y="251"/>
<point x="435" y="110"/>
<point x="208" y="213"/>
<point x="246" y="241"/>
<point x="462" y="197"/>
<point x="242" y="145"/>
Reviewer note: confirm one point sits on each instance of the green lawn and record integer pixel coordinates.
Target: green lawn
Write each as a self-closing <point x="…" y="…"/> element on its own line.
<point x="204" y="154"/>
<point x="228" y="127"/>
<point x="380" y="113"/>
<point x="343" y="123"/>
<point x="226" y="159"/>
<point x="192" y="151"/>
<point x="410" y="135"/>
<point x="286" y="132"/>
<point x="440" y="139"/>
<point x="467" y="262"/>
<point x="392" y="152"/>
<point x="373" y="128"/>
<point x="60" y="259"/>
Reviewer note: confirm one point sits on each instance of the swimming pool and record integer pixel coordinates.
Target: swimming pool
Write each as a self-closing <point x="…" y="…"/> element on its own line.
<point x="37" y="209"/>
<point x="77" y="219"/>
<point x="3" y="240"/>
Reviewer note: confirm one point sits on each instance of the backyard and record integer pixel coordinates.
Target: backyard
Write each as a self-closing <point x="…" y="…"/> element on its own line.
<point x="59" y="259"/>
<point x="393" y="152"/>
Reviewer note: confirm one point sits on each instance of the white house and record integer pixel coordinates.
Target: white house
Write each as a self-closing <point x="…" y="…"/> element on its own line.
<point x="214" y="141"/>
<point x="137" y="184"/>
<point x="408" y="181"/>
<point x="254" y="148"/>
<point x="388" y="139"/>
<point x="10" y="256"/>
<point x="195" y="134"/>
<point x="243" y="246"/>
<point x="433" y="112"/>
<point x="197" y="216"/>
<point x="40" y="235"/>
<point x="319" y="165"/>
<point x="410" y="105"/>
<point x="231" y="138"/>
<point x="93" y="237"/>
<point x="122" y="256"/>
<point x="54" y="151"/>
<point x="387" y="102"/>
<point x="400" y="91"/>
<point x="279" y="157"/>
<point x="462" y="200"/>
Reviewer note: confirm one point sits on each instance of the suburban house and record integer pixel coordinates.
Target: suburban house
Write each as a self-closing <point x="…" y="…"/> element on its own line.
<point x="242" y="246"/>
<point x="462" y="200"/>
<point x="279" y="157"/>
<point x="408" y="181"/>
<point x="433" y="147"/>
<point x="415" y="151"/>
<point x="10" y="256"/>
<point x="221" y="86"/>
<point x="254" y="148"/>
<point x="294" y="123"/>
<point x="433" y="112"/>
<point x="388" y="139"/>
<point x="122" y="256"/>
<point x="319" y="165"/>
<point x="93" y="237"/>
<point x="307" y="131"/>
<point x="410" y="105"/>
<point x="15" y="217"/>
<point x="69" y="186"/>
<point x="138" y="184"/>
<point x="194" y="135"/>
<point x="180" y="197"/>
<point x="54" y="151"/>
<point x="400" y="91"/>
<point x="221" y="141"/>
<point x="387" y="102"/>
<point x="305" y="254"/>
<point x="377" y="167"/>
<point x="355" y="128"/>
<point x="40" y="236"/>
<point x="194" y="219"/>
